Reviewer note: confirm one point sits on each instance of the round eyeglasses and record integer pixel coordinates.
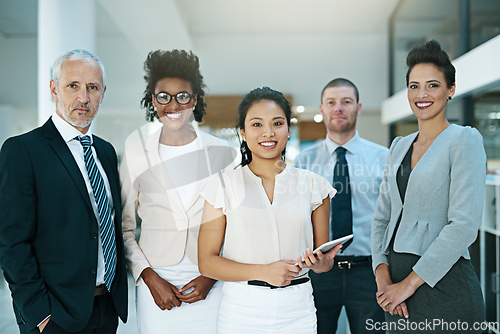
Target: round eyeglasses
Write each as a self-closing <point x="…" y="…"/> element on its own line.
<point x="181" y="97"/>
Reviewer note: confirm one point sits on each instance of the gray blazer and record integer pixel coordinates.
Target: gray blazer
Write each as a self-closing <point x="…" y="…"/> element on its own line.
<point x="443" y="202"/>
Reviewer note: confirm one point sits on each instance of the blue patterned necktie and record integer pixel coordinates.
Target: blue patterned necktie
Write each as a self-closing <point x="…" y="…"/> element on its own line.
<point x="341" y="207"/>
<point x="106" y="221"/>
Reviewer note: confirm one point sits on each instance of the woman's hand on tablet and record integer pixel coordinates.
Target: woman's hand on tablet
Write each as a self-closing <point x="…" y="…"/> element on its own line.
<point x="318" y="262"/>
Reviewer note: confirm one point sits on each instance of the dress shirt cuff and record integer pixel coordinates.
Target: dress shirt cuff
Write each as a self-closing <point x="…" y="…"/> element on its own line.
<point x="43" y="320"/>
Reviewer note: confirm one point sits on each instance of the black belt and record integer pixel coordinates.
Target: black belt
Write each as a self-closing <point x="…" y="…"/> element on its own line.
<point x="100" y="290"/>
<point x="349" y="262"/>
<point x="267" y="285"/>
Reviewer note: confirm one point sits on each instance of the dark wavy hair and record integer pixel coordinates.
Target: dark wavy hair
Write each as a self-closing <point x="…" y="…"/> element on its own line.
<point x="253" y="97"/>
<point x="173" y="64"/>
<point x="431" y="52"/>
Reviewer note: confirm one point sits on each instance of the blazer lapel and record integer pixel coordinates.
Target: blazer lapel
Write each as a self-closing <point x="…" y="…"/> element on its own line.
<point x="426" y="165"/>
<point x="61" y="149"/>
<point x="399" y="153"/>
<point x="431" y="150"/>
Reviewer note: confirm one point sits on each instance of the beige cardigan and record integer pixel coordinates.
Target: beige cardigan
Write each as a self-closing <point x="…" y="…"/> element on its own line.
<point x="167" y="231"/>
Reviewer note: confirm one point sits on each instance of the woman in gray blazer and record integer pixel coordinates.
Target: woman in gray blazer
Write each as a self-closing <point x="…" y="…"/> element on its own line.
<point x="429" y="210"/>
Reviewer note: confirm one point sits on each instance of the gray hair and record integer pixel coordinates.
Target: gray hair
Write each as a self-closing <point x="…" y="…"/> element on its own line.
<point x="76" y="54"/>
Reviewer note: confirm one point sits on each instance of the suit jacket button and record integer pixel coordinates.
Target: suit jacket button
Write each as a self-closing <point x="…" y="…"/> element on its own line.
<point x="93" y="236"/>
<point x="93" y="271"/>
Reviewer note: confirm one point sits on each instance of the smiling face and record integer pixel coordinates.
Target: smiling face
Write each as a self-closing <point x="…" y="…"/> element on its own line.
<point x="266" y="130"/>
<point x="340" y="109"/>
<point x="427" y="91"/>
<point x="174" y="116"/>
<point x="79" y="92"/>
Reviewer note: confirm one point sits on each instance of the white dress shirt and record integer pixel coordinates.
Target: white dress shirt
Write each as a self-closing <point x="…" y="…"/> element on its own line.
<point x="68" y="133"/>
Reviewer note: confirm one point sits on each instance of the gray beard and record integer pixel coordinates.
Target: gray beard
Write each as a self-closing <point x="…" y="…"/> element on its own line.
<point x="72" y="121"/>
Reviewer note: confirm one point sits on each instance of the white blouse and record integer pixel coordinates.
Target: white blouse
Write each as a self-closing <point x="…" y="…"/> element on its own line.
<point x="261" y="232"/>
<point x="181" y="173"/>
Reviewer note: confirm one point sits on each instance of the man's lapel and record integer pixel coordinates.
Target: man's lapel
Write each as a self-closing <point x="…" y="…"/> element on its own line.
<point x="61" y="149"/>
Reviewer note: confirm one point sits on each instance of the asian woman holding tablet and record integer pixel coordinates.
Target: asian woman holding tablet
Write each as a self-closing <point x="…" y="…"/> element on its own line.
<point x="257" y="221"/>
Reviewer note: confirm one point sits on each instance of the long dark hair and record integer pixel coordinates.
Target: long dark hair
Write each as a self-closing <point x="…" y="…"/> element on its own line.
<point x="253" y="97"/>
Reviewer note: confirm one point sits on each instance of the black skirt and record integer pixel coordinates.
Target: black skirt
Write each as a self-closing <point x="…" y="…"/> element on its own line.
<point x="454" y="305"/>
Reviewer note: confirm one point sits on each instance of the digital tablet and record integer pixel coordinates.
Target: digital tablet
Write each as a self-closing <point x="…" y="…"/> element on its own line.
<point x="327" y="246"/>
<point x="330" y="244"/>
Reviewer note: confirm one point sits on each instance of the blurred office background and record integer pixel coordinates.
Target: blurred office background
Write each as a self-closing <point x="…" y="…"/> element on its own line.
<point x="294" y="46"/>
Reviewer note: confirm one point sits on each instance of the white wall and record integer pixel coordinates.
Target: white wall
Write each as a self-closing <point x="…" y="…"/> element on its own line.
<point x="230" y="64"/>
<point x="236" y="64"/>
<point x="120" y="113"/>
<point x="18" y="68"/>
<point x="18" y="86"/>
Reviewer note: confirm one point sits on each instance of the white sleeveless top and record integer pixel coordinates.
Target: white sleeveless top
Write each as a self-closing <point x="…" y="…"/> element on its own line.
<point x="261" y="232"/>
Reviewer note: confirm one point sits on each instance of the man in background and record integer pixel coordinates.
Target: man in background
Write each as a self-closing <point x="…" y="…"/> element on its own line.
<point x="355" y="167"/>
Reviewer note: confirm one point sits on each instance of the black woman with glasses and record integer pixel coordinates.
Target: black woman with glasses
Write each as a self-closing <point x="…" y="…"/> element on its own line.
<point x="163" y="172"/>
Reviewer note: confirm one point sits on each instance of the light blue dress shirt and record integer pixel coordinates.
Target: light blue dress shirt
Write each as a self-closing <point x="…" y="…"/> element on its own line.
<point x="366" y="162"/>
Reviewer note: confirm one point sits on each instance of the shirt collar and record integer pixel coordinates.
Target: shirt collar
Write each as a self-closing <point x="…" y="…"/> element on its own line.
<point x="67" y="131"/>
<point x="351" y="146"/>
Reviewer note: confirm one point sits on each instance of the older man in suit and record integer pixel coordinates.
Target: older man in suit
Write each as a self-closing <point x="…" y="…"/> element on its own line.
<point x="61" y="246"/>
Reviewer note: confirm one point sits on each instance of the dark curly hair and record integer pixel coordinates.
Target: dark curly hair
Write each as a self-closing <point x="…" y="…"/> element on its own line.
<point x="173" y="64"/>
<point x="253" y="97"/>
<point x="430" y="52"/>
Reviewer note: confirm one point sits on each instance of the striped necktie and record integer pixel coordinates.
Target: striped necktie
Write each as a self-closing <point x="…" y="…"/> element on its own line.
<point x="106" y="222"/>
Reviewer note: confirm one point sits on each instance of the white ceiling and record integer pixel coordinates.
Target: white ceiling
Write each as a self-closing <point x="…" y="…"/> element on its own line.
<point x="284" y="17"/>
<point x="295" y="46"/>
<point x="223" y="17"/>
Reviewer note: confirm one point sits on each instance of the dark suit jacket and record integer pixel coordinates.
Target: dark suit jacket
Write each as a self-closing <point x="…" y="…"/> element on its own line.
<point x="48" y="230"/>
